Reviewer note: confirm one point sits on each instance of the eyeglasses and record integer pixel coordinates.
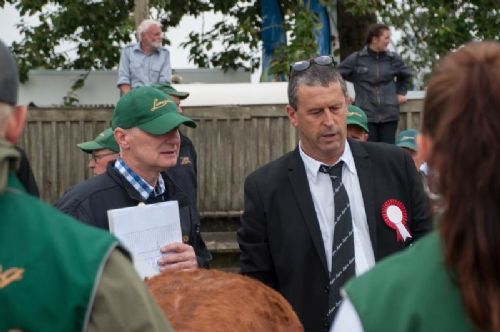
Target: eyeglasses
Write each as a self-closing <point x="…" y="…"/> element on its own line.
<point x="97" y="157"/>
<point x="322" y="60"/>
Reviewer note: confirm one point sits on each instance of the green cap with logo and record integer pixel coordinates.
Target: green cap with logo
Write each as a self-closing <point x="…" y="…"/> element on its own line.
<point x="150" y="110"/>
<point x="408" y="139"/>
<point x="170" y="90"/>
<point x="356" y="116"/>
<point x="105" y="140"/>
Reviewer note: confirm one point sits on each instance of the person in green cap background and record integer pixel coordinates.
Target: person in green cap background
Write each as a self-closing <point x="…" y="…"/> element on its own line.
<point x="185" y="172"/>
<point x="102" y="150"/>
<point x="407" y="140"/>
<point x="51" y="279"/>
<point x="145" y="122"/>
<point x="357" y="123"/>
<point x="176" y="95"/>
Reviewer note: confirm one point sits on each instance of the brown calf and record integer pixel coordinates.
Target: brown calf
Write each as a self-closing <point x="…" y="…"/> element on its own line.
<point x="211" y="300"/>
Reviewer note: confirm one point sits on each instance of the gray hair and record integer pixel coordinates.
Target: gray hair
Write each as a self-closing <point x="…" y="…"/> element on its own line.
<point x="144" y="26"/>
<point x="314" y="75"/>
<point x="5" y="112"/>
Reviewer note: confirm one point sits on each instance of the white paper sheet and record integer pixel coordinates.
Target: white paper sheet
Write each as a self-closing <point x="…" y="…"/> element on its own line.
<point x="144" y="229"/>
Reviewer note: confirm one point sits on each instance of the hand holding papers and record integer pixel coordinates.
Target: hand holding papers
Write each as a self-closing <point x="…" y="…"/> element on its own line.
<point x="178" y="256"/>
<point x="144" y="230"/>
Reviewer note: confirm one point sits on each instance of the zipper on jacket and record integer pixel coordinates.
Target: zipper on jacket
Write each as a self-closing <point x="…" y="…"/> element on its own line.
<point x="378" y="81"/>
<point x="377" y="89"/>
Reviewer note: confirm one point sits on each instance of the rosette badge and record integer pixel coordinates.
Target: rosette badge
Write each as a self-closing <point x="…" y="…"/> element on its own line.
<point x="395" y="216"/>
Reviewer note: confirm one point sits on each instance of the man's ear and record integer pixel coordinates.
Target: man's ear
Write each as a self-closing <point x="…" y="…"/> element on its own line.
<point x="121" y="138"/>
<point x="292" y="115"/>
<point x="424" y="144"/>
<point x="15" y="123"/>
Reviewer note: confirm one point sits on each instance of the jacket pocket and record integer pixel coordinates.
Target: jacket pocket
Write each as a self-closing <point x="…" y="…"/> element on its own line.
<point x="155" y="71"/>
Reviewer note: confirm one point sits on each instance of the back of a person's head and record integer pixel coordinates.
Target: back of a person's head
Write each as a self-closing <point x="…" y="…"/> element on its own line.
<point x="462" y="118"/>
<point x="210" y="300"/>
<point x="8" y="85"/>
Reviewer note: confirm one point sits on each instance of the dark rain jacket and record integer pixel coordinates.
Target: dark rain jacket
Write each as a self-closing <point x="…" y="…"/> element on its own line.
<point x="377" y="78"/>
<point x="90" y="200"/>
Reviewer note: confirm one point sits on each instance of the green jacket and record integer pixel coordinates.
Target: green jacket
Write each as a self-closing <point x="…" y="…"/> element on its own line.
<point x="410" y="291"/>
<point x="50" y="265"/>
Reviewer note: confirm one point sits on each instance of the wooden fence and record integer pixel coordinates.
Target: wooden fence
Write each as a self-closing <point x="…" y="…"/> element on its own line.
<point x="230" y="141"/>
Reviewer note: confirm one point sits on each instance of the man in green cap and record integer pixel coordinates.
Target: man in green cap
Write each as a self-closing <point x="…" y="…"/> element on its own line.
<point x="357" y="123"/>
<point x="407" y="140"/>
<point x="176" y="95"/>
<point x="145" y="123"/>
<point x="185" y="172"/>
<point x="57" y="274"/>
<point x="102" y="149"/>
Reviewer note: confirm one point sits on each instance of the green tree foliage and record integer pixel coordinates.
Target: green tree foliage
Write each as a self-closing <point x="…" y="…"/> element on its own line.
<point x="238" y="34"/>
<point x="94" y="27"/>
<point x="300" y="24"/>
<point x="98" y="28"/>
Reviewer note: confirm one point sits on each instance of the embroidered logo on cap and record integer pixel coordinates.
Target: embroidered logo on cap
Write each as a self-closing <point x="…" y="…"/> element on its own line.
<point x="159" y="104"/>
<point x="10" y="275"/>
<point x="354" y="114"/>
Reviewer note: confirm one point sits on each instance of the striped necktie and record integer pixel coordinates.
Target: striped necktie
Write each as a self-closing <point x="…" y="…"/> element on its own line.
<point x="343" y="267"/>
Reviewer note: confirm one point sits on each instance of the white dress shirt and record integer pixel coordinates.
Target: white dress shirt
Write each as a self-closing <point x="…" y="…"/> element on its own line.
<point x="320" y="185"/>
<point x="347" y="319"/>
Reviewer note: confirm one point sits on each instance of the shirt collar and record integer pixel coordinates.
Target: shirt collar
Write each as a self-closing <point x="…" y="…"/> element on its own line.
<point x="312" y="165"/>
<point x="143" y="188"/>
<point x="137" y="48"/>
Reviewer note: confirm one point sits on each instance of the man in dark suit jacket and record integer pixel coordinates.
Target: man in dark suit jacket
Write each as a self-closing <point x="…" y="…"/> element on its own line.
<point x="287" y="228"/>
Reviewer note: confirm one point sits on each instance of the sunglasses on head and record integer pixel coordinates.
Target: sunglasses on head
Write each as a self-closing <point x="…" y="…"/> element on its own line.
<point x="322" y="60"/>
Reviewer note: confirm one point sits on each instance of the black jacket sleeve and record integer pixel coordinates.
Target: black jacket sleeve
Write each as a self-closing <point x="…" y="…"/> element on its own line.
<point x="255" y="258"/>
<point x="25" y="174"/>
<point x="403" y="76"/>
<point x="347" y="67"/>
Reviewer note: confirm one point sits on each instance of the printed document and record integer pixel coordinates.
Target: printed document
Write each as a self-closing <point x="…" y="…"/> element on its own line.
<point x="144" y="229"/>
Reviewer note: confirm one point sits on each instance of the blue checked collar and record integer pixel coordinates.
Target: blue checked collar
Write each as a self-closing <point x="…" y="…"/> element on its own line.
<point x="142" y="187"/>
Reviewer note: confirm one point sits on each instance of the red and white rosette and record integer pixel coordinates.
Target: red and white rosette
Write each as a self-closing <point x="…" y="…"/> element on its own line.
<point x="395" y="216"/>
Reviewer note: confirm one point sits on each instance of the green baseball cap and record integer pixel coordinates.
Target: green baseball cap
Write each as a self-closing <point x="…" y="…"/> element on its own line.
<point x="170" y="90"/>
<point x="356" y="116"/>
<point x="150" y="110"/>
<point x="105" y="140"/>
<point x="408" y="139"/>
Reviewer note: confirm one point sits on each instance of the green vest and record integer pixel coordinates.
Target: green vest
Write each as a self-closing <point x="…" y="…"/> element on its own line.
<point x="50" y="265"/>
<point x="411" y="291"/>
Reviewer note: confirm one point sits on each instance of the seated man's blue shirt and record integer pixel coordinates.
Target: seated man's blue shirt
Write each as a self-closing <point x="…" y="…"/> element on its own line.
<point x="139" y="69"/>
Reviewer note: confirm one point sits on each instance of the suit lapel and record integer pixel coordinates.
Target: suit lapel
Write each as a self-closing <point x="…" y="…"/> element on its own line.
<point x="365" y="176"/>
<point x="300" y="187"/>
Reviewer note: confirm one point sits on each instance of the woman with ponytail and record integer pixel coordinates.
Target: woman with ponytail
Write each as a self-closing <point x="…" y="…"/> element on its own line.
<point x="450" y="280"/>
